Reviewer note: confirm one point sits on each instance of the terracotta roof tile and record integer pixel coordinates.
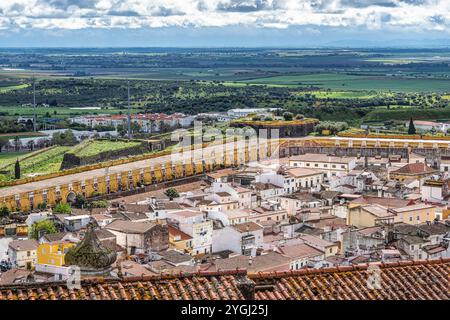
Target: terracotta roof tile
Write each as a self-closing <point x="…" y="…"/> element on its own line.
<point x="415" y="168"/>
<point x="412" y="280"/>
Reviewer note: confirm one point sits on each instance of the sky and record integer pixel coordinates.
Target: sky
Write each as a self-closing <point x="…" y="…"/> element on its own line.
<point x="224" y="23"/>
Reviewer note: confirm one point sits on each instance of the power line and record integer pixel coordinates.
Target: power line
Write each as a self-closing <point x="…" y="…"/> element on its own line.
<point x="129" y="112"/>
<point x="34" y="105"/>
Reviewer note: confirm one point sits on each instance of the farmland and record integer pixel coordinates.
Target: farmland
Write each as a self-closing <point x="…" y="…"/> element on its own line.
<point x="358" y="82"/>
<point x="352" y="85"/>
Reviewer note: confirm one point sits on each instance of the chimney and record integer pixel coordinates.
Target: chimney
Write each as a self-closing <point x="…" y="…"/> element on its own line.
<point x="247" y="287"/>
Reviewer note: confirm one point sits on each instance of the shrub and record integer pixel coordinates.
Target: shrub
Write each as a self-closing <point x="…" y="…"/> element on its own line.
<point x="80" y="201"/>
<point x="42" y="206"/>
<point x="62" y="208"/>
<point x="172" y="193"/>
<point x="4" y="212"/>
<point x="42" y="227"/>
<point x="288" y="116"/>
<point x="99" y="204"/>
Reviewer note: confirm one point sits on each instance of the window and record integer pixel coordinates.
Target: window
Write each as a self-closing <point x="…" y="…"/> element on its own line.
<point x="316" y="165"/>
<point x="325" y="165"/>
<point x="342" y="166"/>
<point x="28" y="253"/>
<point x="307" y="164"/>
<point x="418" y="218"/>
<point x="333" y="166"/>
<point x="410" y="218"/>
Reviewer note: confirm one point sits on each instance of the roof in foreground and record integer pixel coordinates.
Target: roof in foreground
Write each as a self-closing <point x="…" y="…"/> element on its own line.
<point x="408" y="280"/>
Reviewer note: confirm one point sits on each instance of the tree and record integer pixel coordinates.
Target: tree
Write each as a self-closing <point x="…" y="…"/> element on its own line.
<point x="80" y="201"/>
<point x="17" y="143"/>
<point x="17" y="169"/>
<point x="30" y="145"/>
<point x="288" y="116"/>
<point x="411" y="128"/>
<point x="62" y="208"/>
<point x="3" y="143"/>
<point x="172" y="193"/>
<point x="99" y="204"/>
<point x="66" y="138"/>
<point x="39" y="228"/>
<point x="4" y="211"/>
<point x="42" y="206"/>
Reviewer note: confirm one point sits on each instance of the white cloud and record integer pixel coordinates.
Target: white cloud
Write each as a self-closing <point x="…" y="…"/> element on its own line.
<point x="79" y="14"/>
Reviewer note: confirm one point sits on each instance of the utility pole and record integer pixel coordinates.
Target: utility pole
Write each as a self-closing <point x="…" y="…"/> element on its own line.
<point x="34" y="105"/>
<point x="129" y="112"/>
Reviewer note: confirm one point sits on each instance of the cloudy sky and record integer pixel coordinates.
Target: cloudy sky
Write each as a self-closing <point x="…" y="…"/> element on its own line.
<point x="224" y="22"/>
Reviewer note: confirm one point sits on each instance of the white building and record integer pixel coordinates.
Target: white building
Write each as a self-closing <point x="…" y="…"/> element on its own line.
<point x="430" y="125"/>
<point x="225" y="193"/>
<point x="238" y="113"/>
<point x="244" y="238"/>
<point x="23" y="253"/>
<point x="301" y="255"/>
<point x="293" y="179"/>
<point x="330" y="165"/>
<point x="76" y="222"/>
<point x="198" y="226"/>
<point x="149" y="122"/>
<point x="297" y="201"/>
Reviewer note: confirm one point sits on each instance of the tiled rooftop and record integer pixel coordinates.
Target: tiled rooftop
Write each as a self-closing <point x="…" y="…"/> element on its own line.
<point x="201" y="286"/>
<point x="418" y="280"/>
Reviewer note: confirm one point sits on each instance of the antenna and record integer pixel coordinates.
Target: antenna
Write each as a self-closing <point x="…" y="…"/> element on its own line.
<point x="34" y="104"/>
<point x="129" y="112"/>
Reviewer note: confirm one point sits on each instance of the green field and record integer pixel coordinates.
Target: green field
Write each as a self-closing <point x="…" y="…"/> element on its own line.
<point x="45" y="162"/>
<point x="11" y="88"/>
<point x="93" y="147"/>
<point x="58" y="112"/>
<point x="49" y="161"/>
<point x="345" y="82"/>
<point x="10" y="157"/>
<point x="341" y="94"/>
<point x="20" y="135"/>
<point x="406" y="113"/>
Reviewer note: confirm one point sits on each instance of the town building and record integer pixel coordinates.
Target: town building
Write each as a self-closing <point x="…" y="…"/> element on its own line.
<point x="244" y="238"/>
<point x="330" y="165"/>
<point x="140" y="237"/>
<point x="23" y="253"/>
<point x="416" y="171"/>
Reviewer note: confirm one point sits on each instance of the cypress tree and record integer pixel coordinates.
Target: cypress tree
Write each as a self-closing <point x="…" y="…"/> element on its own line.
<point x="411" y="128"/>
<point x="17" y="170"/>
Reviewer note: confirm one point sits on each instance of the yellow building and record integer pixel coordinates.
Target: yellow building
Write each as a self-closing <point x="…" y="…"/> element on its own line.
<point x="413" y="171"/>
<point x="415" y="214"/>
<point x="180" y="240"/>
<point x="370" y="215"/>
<point x="53" y="253"/>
